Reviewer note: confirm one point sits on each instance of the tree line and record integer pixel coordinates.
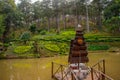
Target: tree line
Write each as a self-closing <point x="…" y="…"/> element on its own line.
<point x="95" y="15"/>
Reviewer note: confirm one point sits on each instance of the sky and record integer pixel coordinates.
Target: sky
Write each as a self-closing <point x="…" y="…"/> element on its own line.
<point x="17" y="1"/>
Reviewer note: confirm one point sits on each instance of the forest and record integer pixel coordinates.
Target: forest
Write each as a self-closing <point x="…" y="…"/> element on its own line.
<point x="45" y="28"/>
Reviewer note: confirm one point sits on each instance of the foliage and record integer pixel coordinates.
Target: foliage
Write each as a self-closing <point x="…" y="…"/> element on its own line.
<point x="114" y="49"/>
<point x="63" y="48"/>
<point x="22" y="49"/>
<point x="66" y="36"/>
<point x="113" y="9"/>
<point x="6" y="45"/>
<point x="1" y="44"/>
<point x="60" y="48"/>
<point x="63" y="36"/>
<point x="54" y="15"/>
<point x="2" y="27"/>
<point x="43" y="32"/>
<point x="25" y="36"/>
<point x="52" y="47"/>
<point x="113" y="24"/>
<point x="112" y="20"/>
<point x="98" y="47"/>
<point x="10" y="18"/>
<point x="33" y="28"/>
<point x="26" y="9"/>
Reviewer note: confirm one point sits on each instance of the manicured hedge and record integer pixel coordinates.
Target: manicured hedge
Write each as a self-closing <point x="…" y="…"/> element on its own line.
<point x="98" y="47"/>
<point x="52" y="47"/>
<point x="22" y="49"/>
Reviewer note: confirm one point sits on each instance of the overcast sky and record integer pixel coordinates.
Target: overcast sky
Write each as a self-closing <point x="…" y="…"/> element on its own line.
<point x="17" y="1"/>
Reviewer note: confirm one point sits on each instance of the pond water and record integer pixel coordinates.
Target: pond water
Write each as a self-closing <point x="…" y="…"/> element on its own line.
<point x="40" y="69"/>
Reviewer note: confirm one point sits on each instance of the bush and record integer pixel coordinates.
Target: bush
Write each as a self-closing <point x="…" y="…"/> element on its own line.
<point x="43" y="32"/>
<point x="22" y="49"/>
<point x="6" y="45"/>
<point x="98" y="47"/>
<point x="63" y="48"/>
<point x="33" y="28"/>
<point x="52" y="47"/>
<point x="2" y="26"/>
<point x="113" y="24"/>
<point x="25" y="37"/>
<point x="1" y="43"/>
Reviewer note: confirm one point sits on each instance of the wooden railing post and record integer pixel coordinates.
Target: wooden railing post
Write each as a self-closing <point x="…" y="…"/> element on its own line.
<point x="103" y="77"/>
<point x="61" y="71"/>
<point x="52" y="70"/>
<point x="72" y="76"/>
<point x="92" y="77"/>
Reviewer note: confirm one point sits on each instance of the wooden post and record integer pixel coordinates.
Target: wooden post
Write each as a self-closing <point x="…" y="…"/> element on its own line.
<point x="103" y="77"/>
<point x="62" y="71"/>
<point x="72" y="76"/>
<point x="52" y="70"/>
<point x="92" y="77"/>
<point x="99" y="68"/>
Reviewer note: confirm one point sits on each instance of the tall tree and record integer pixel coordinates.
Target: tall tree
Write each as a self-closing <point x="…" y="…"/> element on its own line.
<point x="38" y="12"/>
<point x="112" y="20"/>
<point x="8" y="9"/>
<point x="46" y="6"/>
<point x="99" y="6"/>
<point x="26" y="8"/>
<point x="2" y="26"/>
<point x="113" y="9"/>
<point x="55" y="6"/>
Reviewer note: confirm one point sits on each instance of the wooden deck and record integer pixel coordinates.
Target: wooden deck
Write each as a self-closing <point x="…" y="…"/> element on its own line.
<point x="96" y="72"/>
<point x="78" y="75"/>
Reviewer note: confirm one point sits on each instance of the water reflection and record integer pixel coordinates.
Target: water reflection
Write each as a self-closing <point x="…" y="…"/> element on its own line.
<point x="40" y="69"/>
<point x="28" y="69"/>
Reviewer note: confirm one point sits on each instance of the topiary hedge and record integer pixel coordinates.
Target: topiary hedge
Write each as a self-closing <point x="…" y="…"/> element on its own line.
<point x="98" y="47"/>
<point x="22" y="49"/>
<point x="52" y="47"/>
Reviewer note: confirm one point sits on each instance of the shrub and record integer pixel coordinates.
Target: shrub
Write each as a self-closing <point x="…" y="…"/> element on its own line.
<point x="63" y="48"/>
<point x="33" y="28"/>
<point x="98" y="47"/>
<point x="22" y="49"/>
<point x="25" y="36"/>
<point x="6" y="45"/>
<point x="1" y="43"/>
<point x="52" y="47"/>
<point x="113" y="24"/>
<point x="2" y="26"/>
<point x="43" y="32"/>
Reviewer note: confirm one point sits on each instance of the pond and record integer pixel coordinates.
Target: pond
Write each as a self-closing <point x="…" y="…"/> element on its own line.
<point x="40" y="69"/>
